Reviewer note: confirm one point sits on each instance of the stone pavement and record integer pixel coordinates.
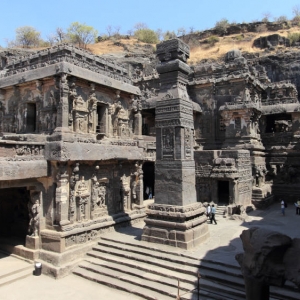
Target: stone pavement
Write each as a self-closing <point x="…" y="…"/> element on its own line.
<point x="70" y="287"/>
<point x="223" y="244"/>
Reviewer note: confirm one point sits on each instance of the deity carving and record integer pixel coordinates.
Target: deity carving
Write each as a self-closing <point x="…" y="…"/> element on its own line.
<point x="92" y="107"/>
<point x="98" y="195"/>
<point x="72" y="203"/>
<point x="168" y="142"/>
<point x="34" y="214"/>
<point x="80" y="115"/>
<point x="259" y="176"/>
<point x="136" y="186"/>
<point x="82" y="197"/>
<point x="125" y="192"/>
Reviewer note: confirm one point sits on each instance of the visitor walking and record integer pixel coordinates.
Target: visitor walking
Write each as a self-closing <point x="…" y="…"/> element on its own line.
<point x="282" y="203"/>
<point x="212" y="214"/>
<point x="297" y="208"/>
<point x="208" y="211"/>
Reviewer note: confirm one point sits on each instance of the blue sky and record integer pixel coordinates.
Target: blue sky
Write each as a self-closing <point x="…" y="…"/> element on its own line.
<point x="45" y="16"/>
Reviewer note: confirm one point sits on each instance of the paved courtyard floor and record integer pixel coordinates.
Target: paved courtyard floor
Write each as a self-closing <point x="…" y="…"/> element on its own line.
<point x="224" y="243"/>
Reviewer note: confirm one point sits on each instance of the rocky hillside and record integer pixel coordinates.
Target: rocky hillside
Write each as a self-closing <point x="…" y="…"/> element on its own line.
<point x="265" y="43"/>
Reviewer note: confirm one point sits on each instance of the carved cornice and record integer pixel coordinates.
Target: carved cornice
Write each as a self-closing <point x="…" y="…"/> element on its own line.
<point x="66" y="53"/>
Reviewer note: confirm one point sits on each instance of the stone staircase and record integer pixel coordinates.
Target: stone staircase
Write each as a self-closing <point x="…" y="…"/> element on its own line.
<point x="13" y="269"/>
<point x="220" y="210"/>
<point x="153" y="272"/>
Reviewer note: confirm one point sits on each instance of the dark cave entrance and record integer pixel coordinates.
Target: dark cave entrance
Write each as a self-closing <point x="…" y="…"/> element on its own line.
<point x="223" y="192"/>
<point x="14" y="216"/>
<point x="149" y="177"/>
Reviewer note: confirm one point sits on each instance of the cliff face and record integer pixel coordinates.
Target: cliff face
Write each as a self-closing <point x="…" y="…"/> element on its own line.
<point x="283" y="66"/>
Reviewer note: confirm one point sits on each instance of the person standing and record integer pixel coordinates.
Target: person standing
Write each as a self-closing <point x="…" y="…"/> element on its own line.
<point x="297" y="207"/>
<point x="208" y="211"/>
<point x="282" y="207"/>
<point x="212" y="214"/>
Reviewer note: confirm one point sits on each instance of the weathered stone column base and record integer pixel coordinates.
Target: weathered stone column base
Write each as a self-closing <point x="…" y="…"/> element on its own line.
<point x="178" y="226"/>
<point x="61" y="251"/>
<point x="32" y="242"/>
<point x="262" y="197"/>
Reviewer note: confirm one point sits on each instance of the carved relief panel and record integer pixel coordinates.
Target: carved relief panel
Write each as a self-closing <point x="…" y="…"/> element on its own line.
<point x="168" y="143"/>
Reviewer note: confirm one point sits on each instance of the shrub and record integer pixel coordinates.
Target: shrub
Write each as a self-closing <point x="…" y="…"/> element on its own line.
<point x="169" y="35"/>
<point x="212" y="40"/>
<point x="239" y="37"/>
<point x="281" y="19"/>
<point x="294" y="37"/>
<point x="146" y="35"/>
<point x="221" y="26"/>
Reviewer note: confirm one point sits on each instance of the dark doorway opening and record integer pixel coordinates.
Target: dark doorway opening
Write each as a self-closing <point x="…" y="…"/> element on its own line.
<point x="101" y="113"/>
<point x="31" y="117"/>
<point x="149" y="178"/>
<point x="223" y="192"/>
<point x="14" y="215"/>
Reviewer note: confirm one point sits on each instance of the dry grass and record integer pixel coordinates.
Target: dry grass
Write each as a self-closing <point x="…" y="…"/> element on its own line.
<point x="242" y="42"/>
<point x="110" y="47"/>
<point x="230" y="42"/>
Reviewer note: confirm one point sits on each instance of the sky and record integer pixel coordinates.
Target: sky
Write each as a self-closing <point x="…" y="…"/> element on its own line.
<point x="46" y="16"/>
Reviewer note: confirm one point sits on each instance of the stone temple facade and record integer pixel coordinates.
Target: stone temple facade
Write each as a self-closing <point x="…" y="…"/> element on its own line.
<point x="83" y="144"/>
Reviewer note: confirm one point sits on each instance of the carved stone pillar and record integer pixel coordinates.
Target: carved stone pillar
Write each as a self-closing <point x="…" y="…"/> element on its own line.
<point x="109" y="121"/>
<point x="61" y="198"/>
<point x="138" y="119"/>
<point x="175" y="191"/>
<point x="92" y="106"/>
<point x="2" y="98"/>
<point x="72" y="205"/>
<point x="62" y="119"/>
<point x="125" y="191"/>
<point x="141" y="187"/>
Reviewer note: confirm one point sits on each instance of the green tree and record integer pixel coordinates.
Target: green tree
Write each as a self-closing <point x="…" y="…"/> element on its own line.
<point x="27" y="36"/>
<point x="82" y="34"/>
<point x="146" y="35"/>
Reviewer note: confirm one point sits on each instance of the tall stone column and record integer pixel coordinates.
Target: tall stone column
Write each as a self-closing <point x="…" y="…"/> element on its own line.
<point x="61" y="198"/>
<point x="138" y="119"/>
<point x="176" y="218"/>
<point x="62" y="121"/>
<point x="2" y="109"/>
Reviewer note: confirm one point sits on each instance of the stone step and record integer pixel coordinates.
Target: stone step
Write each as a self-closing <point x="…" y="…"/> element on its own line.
<point x="16" y="275"/>
<point x="136" y="263"/>
<point x="169" y="251"/>
<point x="171" y="256"/>
<point x="171" y="270"/>
<point x="160" y="283"/>
<point x="119" y="283"/>
<point x="209" y="269"/>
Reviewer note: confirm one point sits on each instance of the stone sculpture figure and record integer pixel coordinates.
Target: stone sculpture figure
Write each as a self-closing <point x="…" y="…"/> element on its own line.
<point x="82" y="199"/>
<point x="125" y="191"/>
<point x="269" y="258"/>
<point x="34" y="214"/>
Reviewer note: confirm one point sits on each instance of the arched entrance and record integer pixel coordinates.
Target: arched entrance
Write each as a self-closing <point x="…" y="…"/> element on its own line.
<point x="148" y="169"/>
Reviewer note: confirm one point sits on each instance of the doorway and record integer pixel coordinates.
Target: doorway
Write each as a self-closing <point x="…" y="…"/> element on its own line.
<point x="149" y="178"/>
<point x="223" y="192"/>
<point x="31" y="118"/>
<point x="14" y="215"/>
<point x="101" y="125"/>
